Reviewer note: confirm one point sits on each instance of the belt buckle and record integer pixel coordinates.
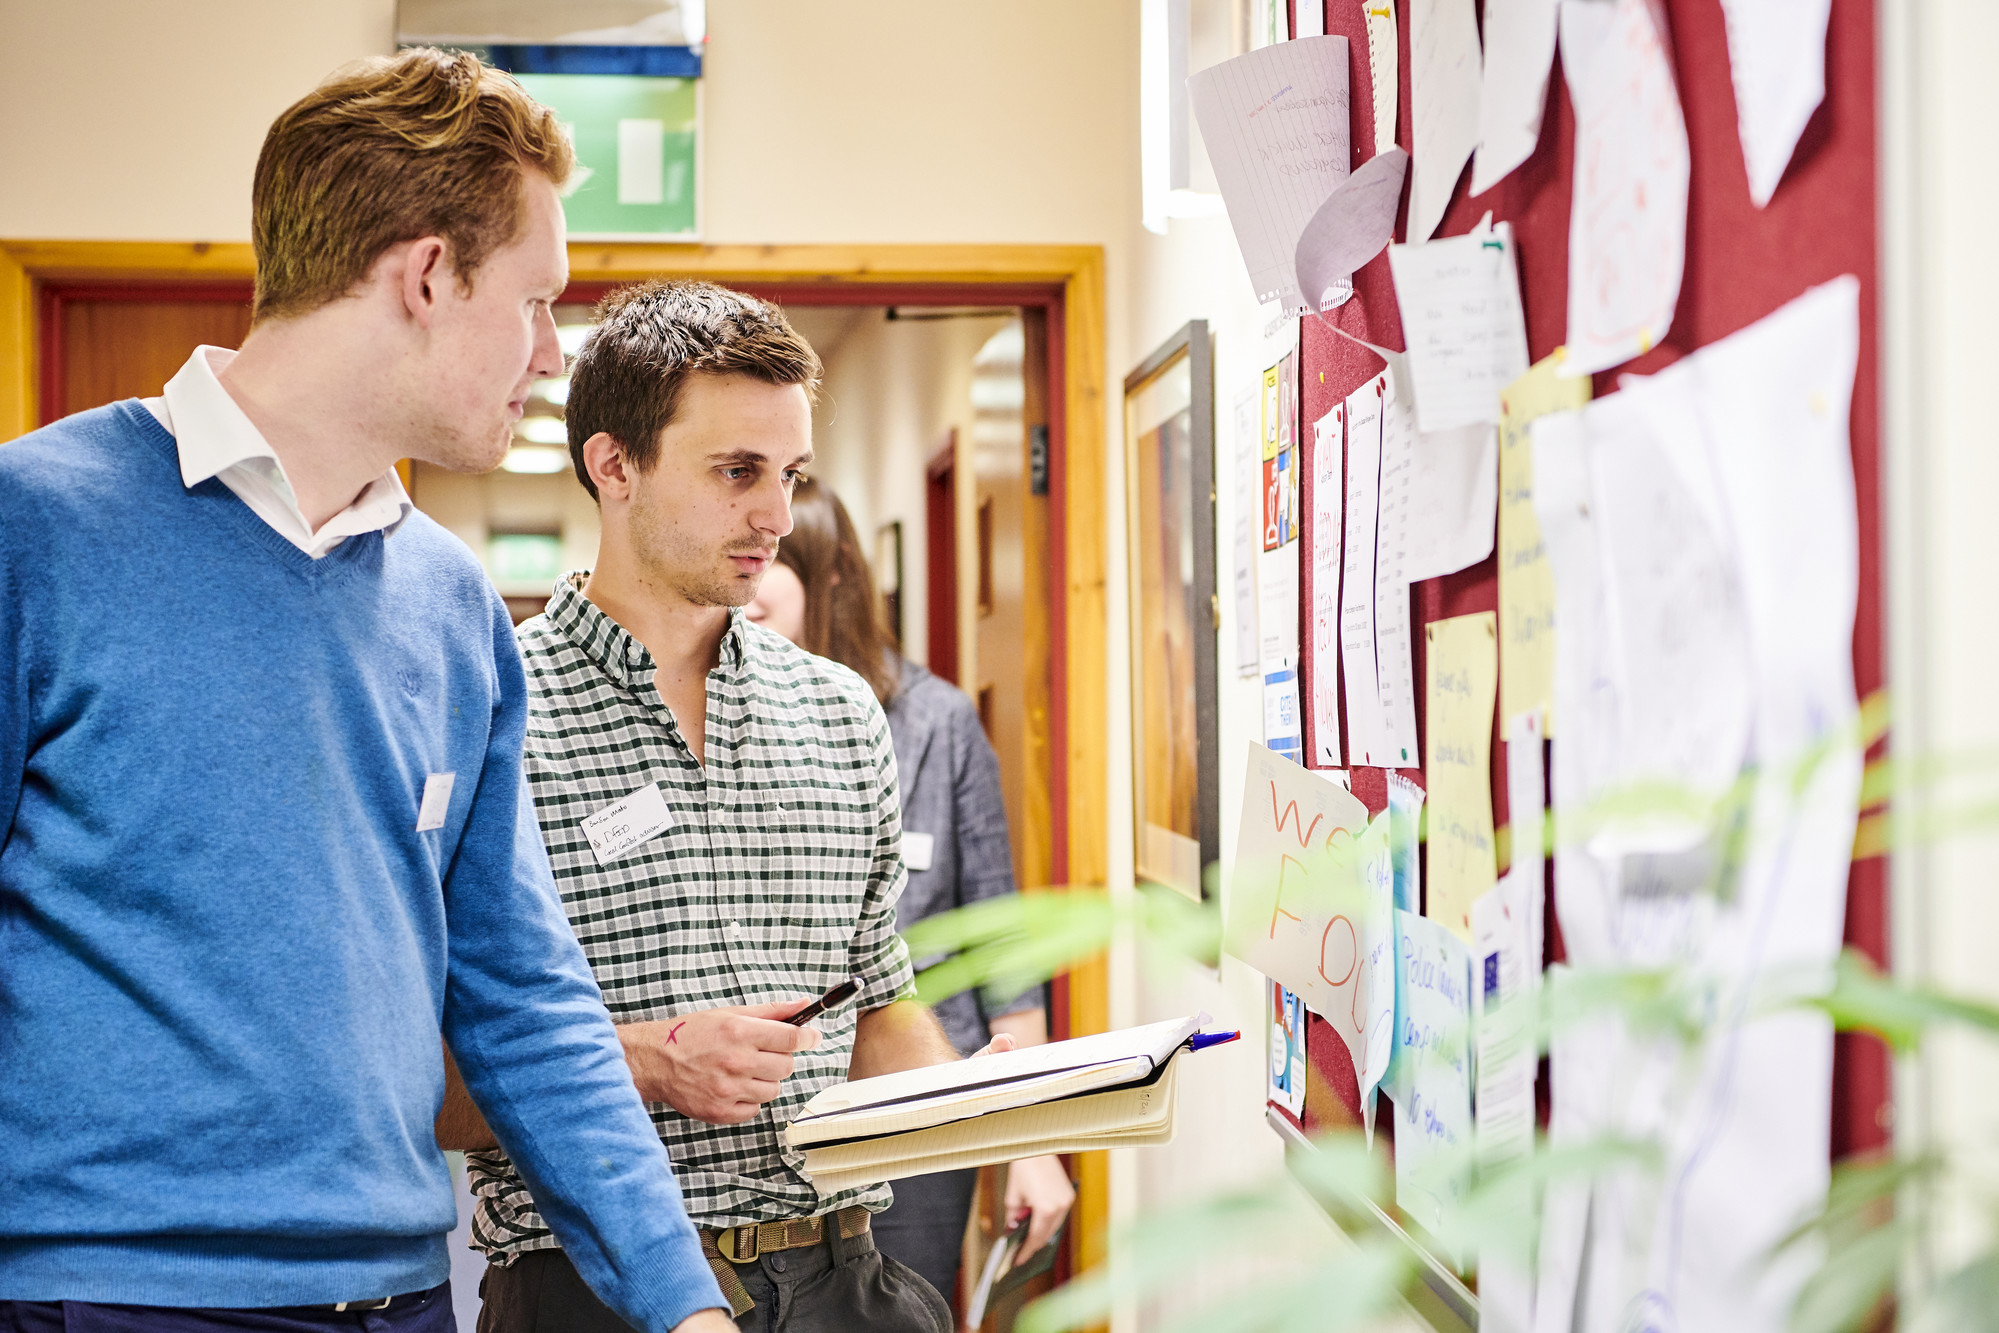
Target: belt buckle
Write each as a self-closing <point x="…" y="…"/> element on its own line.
<point x="726" y="1243"/>
<point x="345" y="1306"/>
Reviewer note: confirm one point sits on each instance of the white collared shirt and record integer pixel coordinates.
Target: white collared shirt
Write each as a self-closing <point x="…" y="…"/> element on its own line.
<point x="216" y="439"/>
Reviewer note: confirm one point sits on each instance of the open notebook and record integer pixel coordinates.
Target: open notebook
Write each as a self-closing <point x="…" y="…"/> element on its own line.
<point x="1112" y="1090"/>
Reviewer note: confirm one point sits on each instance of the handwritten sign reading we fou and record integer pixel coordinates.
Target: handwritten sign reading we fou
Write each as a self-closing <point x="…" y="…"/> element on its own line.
<point x="1311" y="903"/>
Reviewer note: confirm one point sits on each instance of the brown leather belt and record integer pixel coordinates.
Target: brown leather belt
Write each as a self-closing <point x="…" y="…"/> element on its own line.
<point x="725" y="1247"/>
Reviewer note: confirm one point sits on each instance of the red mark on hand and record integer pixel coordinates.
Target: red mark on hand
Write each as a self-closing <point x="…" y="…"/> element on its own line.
<point x="673" y="1037"/>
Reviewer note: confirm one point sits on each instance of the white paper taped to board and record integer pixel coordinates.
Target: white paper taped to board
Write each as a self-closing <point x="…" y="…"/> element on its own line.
<point x="1776" y="60"/>
<point x="1519" y="51"/>
<point x="1276" y="123"/>
<point x="1460" y="303"/>
<point x="1443" y="91"/>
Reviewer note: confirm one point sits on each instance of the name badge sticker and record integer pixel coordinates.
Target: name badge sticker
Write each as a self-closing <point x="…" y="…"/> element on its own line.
<point x="918" y="849"/>
<point x="627" y="822"/>
<point x="436" y="802"/>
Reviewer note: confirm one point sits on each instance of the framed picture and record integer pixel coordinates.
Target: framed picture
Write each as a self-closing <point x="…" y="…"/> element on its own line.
<point x="888" y="574"/>
<point x="1169" y="431"/>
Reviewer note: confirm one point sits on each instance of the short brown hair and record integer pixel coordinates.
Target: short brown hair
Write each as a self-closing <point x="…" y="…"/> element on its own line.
<point x="844" y="618"/>
<point x="422" y="143"/>
<point x="650" y="337"/>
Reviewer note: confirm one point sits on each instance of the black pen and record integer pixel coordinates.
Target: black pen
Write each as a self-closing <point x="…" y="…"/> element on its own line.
<point x="839" y="995"/>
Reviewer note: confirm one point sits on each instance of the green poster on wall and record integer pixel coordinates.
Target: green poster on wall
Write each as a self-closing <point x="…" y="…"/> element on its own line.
<point x="636" y="151"/>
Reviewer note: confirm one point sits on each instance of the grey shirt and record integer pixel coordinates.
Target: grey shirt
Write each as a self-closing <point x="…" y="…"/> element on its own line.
<point x="951" y="794"/>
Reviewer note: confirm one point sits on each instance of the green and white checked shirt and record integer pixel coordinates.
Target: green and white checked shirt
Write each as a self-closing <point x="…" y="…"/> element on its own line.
<point x="777" y="879"/>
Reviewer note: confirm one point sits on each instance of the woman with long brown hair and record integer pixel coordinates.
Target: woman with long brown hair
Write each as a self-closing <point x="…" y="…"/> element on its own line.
<point x="820" y="594"/>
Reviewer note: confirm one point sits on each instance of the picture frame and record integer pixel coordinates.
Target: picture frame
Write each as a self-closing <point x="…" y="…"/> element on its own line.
<point x="888" y="574"/>
<point x="1169" y="420"/>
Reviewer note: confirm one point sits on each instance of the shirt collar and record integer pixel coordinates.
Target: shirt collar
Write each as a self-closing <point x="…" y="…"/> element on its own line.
<point x="213" y="434"/>
<point x="615" y="650"/>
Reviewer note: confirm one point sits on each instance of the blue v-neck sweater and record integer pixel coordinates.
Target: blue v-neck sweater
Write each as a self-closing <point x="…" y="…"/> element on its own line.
<point x="227" y="953"/>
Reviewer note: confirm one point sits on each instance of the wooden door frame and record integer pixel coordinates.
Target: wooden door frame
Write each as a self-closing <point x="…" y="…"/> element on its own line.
<point x="1068" y="280"/>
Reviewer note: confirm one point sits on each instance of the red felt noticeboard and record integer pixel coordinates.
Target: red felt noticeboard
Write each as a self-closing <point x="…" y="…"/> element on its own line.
<point x="1742" y="263"/>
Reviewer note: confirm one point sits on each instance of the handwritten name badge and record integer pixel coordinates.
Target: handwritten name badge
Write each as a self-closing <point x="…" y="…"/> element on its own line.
<point x="624" y="824"/>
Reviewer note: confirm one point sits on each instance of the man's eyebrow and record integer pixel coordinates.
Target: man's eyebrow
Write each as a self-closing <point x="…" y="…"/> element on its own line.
<point x="754" y="456"/>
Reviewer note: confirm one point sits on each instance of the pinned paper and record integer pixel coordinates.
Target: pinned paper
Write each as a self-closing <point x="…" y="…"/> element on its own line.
<point x="1350" y="228"/>
<point x="1462" y="677"/>
<point x="1519" y="48"/>
<point x="1405" y="807"/>
<point x="1248" y="509"/>
<point x="1309" y="897"/>
<point x="1503" y="986"/>
<point x="1460" y="304"/>
<point x="1328" y="484"/>
<point x="1443" y="91"/>
<point x="1399" y="504"/>
<point x="1453" y="485"/>
<point x="1277" y="577"/>
<point x="1277" y="128"/>
<point x="1367" y="738"/>
<point x="1776" y="60"/>
<point x="1384" y="65"/>
<point x="1526" y="588"/>
<point x="1432" y="1075"/>
<point x="1287" y="1050"/>
<point x="1628" y="212"/>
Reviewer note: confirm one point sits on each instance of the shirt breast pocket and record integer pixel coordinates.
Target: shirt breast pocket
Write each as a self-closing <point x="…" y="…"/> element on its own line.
<point x="822" y="837"/>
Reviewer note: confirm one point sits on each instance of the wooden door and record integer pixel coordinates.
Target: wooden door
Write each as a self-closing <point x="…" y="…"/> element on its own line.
<point x="101" y="343"/>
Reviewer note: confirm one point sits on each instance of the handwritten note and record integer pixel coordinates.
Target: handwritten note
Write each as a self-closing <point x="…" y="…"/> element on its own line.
<point x="1377" y="940"/>
<point x="1776" y="60"/>
<point x="1276" y="125"/>
<point x="1460" y="304"/>
<point x="1526" y="587"/>
<point x="1461" y="681"/>
<point x="1301" y="909"/>
<point x="1453" y="484"/>
<point x="1443" y="91"/>
<point x="1397" y="507"/>
<point x="1628" y="214"/>
<point x="1248" y="508"/>
<point x="1519" y="47"/>
<point x="1384" y="64"/>
<point x="1367" y="739"/>
<point x="1432" y="1075"/>
<point x="1328" y="484"/>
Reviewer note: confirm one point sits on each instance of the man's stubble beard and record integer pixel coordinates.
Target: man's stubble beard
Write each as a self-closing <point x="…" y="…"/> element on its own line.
<point x="681" y="567"/>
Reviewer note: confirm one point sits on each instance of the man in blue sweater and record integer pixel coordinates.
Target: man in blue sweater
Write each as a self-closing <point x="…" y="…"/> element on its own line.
<point x="264" y="837"/>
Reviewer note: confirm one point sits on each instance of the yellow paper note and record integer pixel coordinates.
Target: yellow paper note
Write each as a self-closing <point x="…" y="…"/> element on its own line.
<point x="1461" y="677"/>
<point x="1526" y="586"/>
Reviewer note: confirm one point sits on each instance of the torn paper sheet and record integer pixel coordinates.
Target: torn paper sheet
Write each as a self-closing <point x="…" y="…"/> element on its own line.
<point x="1460" y="304"/>
<point x="1776" y="60"/>
<point x="1328" y="490"/>
<point x="1628" y="212"/>
<point x="1276" y="124"/>
<point x="1461" y="670"/>
<point x="1367" y="732"/>
<point x="1519" y="50"/>
<point x="1431" y="1074"/>
<point x="1526" y="589"/>
<point x="1384" y="66"/>
<point x="1443" y="92"/>
<point x="1353" y="226"/>
<point x="1301" y="910"/>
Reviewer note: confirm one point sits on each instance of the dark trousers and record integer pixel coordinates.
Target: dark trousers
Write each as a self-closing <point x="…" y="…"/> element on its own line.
<point x="417" y="1312"/>
<point x="926" y="1226"/>
<point x="796" y="1291"/>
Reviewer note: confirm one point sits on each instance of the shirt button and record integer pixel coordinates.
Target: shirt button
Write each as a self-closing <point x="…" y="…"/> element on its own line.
<point x="777" y="1262"/>
<point x="735" y="927"/>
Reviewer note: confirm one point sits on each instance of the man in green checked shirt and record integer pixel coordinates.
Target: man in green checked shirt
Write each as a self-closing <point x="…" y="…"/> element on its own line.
<point x="721" y="813"/>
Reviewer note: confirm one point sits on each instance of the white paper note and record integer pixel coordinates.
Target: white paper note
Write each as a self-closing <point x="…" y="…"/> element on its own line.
<point x="1300" y="909"/>
<point x="1444" y="93"/>
<point x="1384" y="64"/>
<point x="1526" y="788"/>
<point x="1776" y="60"/>
<point x="1350" y="228"/>
<point x="1503" y="989"/>
<point x="1248" y="510"/>
<point x="1432" y="1070"/>
<point x="1460" y="304"/>
<point x="1310" y="19"/>
<point x="1277" y="610"/>
<point x="1377" y="945"/>
<point x="627" y="822"/>
<point x="1405" y="805"/>
<point x="1367" y="738"/>
<point x="1328" y="488"/>
<point x="1453" y="485"/>
<point x="1399" y="503"/>
<point x="1276" y="125"/>
<point x="1519" y="48"/>
<point x="1628" y="212"/>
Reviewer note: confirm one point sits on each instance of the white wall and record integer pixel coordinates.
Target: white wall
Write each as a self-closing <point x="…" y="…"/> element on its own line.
<point x="1941" y="283"/>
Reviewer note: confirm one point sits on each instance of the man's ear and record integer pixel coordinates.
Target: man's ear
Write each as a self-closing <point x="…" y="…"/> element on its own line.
<point x="604" y="459"/>
<point x="426" y="270"/>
